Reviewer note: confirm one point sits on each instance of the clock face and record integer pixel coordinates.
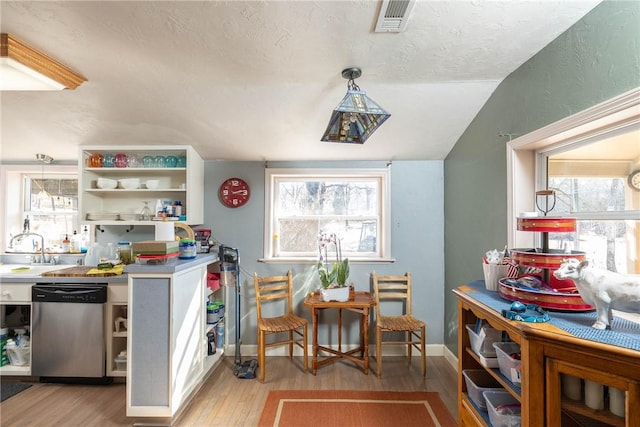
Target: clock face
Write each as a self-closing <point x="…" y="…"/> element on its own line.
<point x="234" y="192"/>
<point x="634" y="180"/>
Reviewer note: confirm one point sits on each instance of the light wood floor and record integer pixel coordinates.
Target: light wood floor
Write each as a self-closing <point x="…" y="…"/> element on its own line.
<point x="223" y="400"/>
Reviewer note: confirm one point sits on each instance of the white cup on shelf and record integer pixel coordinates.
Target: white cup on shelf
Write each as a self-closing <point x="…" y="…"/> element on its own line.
<point x="616" y="401"/>
<point x="593" y="395"/>
<point x="572" y="387"/>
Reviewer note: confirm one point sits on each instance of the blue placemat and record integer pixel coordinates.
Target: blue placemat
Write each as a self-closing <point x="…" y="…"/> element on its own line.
<point x="623" y="332"/>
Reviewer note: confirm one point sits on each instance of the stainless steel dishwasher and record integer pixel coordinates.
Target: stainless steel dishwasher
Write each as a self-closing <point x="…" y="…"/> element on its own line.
<point x="67" y="331"/>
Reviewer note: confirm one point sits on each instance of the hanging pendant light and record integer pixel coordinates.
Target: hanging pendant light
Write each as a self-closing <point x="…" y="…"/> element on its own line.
<point x="357" y="116"/>
<point x="43" y="195"/>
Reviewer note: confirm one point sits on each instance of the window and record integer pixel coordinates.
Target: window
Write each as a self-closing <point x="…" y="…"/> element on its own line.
<point x="51" y="208"/>
<point x="353" y="204"/>
<point x="586" y="158"/>
<point x="48" y="199"/>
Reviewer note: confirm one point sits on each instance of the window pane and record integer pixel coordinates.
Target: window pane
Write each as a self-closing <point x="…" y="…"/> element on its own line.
<point x="591" y="194"/>
<point x="327" y="197"/>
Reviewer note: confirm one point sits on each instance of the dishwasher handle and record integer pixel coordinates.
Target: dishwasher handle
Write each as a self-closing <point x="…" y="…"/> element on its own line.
<point x="69" y="294"/>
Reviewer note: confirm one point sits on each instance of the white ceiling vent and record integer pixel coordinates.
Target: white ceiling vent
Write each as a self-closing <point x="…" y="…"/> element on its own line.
<point x="394" y="16"/>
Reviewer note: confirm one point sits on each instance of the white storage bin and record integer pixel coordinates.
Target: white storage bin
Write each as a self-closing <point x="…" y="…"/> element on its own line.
<point x="479" y="381"/>
<point x="121" y="363"/>
<point x="482" y="342"/>
<point x="503" y="408"/>
<point x="509" y="367"/>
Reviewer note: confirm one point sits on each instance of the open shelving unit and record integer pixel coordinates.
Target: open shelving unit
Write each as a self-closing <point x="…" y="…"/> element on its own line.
<point x="122" y="206"/>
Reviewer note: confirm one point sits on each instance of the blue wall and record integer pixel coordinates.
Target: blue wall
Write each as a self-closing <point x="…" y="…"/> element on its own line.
<point x="417" y="239"/>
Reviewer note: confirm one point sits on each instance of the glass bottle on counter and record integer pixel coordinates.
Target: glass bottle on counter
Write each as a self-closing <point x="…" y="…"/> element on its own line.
<point x="124" y="252"/>
<point x="159" y="208"/>
<point x="145" y="213"/>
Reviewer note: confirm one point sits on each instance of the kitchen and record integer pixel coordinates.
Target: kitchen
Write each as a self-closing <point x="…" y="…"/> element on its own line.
<point x="243" y="227"/>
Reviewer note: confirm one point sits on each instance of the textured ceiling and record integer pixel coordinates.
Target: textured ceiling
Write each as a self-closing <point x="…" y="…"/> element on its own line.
<point x="244" y="80"/>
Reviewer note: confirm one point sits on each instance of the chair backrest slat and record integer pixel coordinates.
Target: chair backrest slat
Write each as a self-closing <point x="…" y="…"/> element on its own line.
<point x="392" y="288"/>
<point x="273" y="288"/>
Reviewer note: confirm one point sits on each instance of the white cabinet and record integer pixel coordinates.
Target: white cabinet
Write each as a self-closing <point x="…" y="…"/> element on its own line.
<point x="118" y="206"/>
<point x="15" y="312"/>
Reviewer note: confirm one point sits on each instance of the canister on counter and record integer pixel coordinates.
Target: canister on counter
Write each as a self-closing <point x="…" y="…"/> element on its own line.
<point x="187" y="249"/>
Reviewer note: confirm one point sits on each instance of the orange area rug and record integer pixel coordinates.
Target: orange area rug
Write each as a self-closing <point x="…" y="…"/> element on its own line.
<point x="299" y="408"/>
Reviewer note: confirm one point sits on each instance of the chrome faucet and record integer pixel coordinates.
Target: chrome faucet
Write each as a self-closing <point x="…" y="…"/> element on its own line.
<point x="29" y="233"/>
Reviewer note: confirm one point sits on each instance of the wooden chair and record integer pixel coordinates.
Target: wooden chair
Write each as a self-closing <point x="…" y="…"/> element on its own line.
<point x="268" y="290"/>
<point x="398" y="289"/>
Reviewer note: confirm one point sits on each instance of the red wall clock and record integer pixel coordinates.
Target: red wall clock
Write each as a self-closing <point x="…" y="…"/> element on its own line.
<point x="234" y="192"/>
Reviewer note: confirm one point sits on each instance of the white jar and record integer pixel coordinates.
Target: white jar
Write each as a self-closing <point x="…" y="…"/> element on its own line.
<point x="593" y="395"/>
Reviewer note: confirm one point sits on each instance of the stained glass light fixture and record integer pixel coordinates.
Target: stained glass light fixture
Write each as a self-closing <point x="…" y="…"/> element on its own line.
<point x="357" y="116"/>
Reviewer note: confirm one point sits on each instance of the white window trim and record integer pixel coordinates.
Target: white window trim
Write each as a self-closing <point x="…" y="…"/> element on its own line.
<point x="608" y="117"/>
<point x="384" y="235"/>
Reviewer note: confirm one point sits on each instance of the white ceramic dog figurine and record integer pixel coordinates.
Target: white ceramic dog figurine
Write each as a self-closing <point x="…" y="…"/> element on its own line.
<point x="603" y="289"/>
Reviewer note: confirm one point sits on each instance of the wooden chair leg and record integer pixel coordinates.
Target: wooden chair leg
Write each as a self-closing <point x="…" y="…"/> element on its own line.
<point x="291" y="345"/>
<point x="261" y="355"/>
<point x="304" y="349"/>
<point x="423" y="345"/>
<point x="410" y="338"/>
<point x="379" y="352"/>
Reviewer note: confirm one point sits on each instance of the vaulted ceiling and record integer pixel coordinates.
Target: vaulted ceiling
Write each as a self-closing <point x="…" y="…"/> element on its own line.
<point x="257" y="80"/>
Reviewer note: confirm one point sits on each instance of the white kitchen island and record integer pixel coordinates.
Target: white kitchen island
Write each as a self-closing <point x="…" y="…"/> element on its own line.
<point x="167" y="335"/>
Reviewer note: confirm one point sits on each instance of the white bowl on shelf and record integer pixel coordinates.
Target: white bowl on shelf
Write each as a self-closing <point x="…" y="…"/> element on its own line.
<point x="152" y="184"/>
<point x="129" y="183"/>
<point x="106" y="183"/>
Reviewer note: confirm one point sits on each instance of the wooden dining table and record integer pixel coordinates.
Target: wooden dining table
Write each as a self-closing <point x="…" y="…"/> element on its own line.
<point x="361" y="304"/>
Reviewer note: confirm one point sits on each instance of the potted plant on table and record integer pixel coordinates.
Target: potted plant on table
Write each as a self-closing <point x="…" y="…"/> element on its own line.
<point x="334" y="278"/>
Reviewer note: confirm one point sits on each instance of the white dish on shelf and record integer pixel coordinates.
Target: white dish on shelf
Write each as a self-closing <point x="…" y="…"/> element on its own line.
<point x="129" y="183"/>
<point x="106" y="183"/>
<point x="152" y="184"/>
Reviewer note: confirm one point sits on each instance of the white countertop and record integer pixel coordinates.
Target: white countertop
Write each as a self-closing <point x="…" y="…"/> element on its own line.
<point x="33" y="273"/>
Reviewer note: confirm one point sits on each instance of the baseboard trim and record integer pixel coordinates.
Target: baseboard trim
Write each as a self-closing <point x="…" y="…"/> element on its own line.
<point x="251" y="350"/>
